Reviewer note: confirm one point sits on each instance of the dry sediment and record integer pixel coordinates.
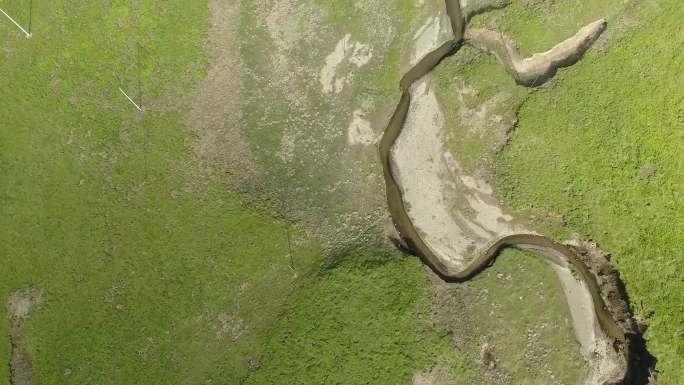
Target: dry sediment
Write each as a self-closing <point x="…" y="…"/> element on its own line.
<point x="19" y="307"/>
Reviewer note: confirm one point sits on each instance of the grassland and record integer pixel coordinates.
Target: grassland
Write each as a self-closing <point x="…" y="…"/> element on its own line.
<point x="601" y="150"/>
<point x="363" y="318"/>
<point x="286" y="111"/>
<point x="150" y="275"/>
<point x="364" y="321"/>
<point x="520" y="311"/>
<point x="153" y="273"/>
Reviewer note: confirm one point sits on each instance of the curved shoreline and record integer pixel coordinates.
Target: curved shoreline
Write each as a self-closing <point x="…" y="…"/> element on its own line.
<point x="625" y="340"/>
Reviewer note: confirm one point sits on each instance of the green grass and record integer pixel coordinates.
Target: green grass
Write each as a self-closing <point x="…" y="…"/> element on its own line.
<point x="364" y="321"/>
<point x="152" y="275"/>
<point x="597" y="152"/>
<point x="148" y="273"/>
<point x="367" y="319"/>
<point x="535" y="28"/>
<point x="603" y="149"/>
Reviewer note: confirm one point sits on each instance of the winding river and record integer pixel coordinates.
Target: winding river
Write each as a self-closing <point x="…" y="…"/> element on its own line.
<point x="623" y="360"/>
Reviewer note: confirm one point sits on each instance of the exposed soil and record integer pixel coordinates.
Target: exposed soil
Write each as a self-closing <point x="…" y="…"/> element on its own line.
<point x="19" y="307"/>
<point x="352" y="53"/>
<point x="438" y="376"/>
<point x="360" y="130"/>
<point x="216" y="107"/>
<point x="420" y="170"/>
<point x="435" y="31"/>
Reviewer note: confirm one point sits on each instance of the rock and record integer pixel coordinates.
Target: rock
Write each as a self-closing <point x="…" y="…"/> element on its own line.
<point x="648" y="171"/>
<point x="487" y="358"/>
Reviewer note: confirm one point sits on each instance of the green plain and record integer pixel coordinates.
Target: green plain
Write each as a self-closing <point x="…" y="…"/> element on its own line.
<point x="602" y="148"/>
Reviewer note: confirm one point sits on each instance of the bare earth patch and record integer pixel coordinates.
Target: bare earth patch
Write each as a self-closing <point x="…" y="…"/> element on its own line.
<point x="216" y="107"/>
<point x="432" y="34"/>
<point x="438" y="376"/>
<point x="19" y="307"/>
<point x="347" y="57"/>
<point x="360" y="130"/>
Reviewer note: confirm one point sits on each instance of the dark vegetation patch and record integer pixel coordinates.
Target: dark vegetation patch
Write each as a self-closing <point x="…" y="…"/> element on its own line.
<point x="365" y="320"/>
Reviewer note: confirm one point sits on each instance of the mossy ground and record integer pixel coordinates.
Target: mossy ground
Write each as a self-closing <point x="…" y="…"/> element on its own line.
<point x="150" y="275"/>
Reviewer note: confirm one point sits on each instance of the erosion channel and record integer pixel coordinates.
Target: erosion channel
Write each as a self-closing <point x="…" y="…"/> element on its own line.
<point x="610" y="339"/>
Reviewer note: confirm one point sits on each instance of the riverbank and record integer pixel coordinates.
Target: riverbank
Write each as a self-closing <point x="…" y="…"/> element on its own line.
<point x="610" y="366"/>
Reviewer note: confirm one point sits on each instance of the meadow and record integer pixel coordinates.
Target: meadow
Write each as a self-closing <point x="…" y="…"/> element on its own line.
<point x="152" y="270"/>
<point x="149" y="272"/>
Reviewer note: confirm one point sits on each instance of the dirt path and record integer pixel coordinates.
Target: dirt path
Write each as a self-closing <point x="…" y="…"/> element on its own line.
<point x="459" y="248"/>
<point x="216" y="105"/>
<point x="20" y="305"/>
